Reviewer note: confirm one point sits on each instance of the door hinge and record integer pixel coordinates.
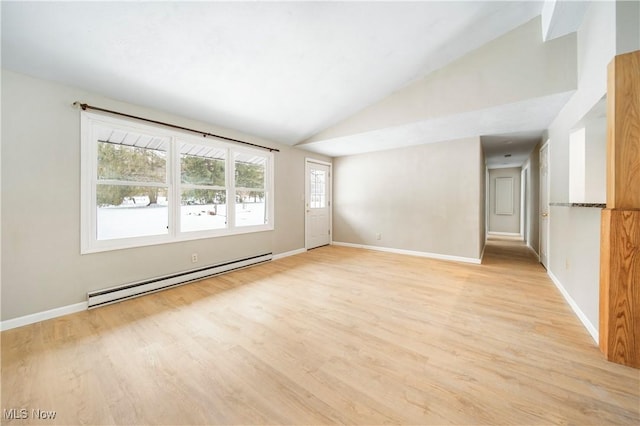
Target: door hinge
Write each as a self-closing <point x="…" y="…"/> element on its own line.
<point x="329" y="231"/>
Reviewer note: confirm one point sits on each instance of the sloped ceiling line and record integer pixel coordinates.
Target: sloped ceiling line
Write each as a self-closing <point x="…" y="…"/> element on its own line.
<point x="279" y="70"/>
<point x="286" y="71"/>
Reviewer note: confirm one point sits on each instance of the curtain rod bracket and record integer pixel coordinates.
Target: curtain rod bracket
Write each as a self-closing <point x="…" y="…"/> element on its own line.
<point x="81" y="105"/>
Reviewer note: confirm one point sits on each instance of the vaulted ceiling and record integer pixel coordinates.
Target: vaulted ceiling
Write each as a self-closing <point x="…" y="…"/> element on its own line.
<point x="284" y="71"/>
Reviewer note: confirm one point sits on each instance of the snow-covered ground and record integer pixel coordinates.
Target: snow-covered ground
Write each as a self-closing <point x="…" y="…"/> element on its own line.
<point x="136" y="220"/>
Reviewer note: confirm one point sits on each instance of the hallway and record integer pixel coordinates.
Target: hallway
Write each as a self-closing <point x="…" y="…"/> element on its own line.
<point x="507" y="250"/>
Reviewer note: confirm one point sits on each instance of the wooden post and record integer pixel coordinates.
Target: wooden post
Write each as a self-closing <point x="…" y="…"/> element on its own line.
<point x="620" y="232"/>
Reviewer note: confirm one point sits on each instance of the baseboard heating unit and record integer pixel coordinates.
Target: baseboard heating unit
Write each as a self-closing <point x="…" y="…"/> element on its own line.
<point x="127" y="291"/>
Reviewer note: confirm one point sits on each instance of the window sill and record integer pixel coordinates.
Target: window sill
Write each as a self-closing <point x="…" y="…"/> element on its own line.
<point x="132" y="243"/>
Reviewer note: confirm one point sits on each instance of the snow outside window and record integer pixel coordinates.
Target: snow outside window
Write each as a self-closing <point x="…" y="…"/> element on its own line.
<point x="250" y="183"/>
<point x="145" y="185"/>
<point x="203" y="192"/>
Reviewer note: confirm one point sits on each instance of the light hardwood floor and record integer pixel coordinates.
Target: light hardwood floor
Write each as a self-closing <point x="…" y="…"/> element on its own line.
<point x="335" y="335"/>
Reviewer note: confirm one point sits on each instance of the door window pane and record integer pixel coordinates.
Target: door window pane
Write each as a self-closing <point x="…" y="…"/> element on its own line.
<point x="317" y="189"/>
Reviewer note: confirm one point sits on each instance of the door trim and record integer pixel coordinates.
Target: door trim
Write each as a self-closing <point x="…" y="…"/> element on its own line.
<point x="547" y="146"/>
<point x="523" y="204"/>
<point x="307" y="162"/>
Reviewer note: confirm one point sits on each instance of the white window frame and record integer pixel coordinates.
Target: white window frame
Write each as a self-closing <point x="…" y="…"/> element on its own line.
<point x="268" y="194"/>
<point x="89" y="166"/>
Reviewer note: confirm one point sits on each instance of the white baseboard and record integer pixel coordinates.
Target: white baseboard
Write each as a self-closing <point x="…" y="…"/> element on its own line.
<point x="41" y="316"/>
<point x="534" y="252"/>
<point x="583" y="318"/>
<point x="289" y="253"/>
<point x="83" y="306"/>
<point x="412" y="253"/>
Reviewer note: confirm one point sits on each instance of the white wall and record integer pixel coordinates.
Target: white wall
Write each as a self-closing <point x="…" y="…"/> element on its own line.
<point x="42" y="267"/>
<point x="515" y="67"/>
<point x="425" y="198"/>
<point x="587" y="151"/>
<point x="482" y="203"/>
<point x="595" y="185"/>
<point x="532" y="166"/>
<point x="509" y="224"/>
<point x="627" y="26"/>
<point x="574" y="240"/>
<point x="577" y="160"/>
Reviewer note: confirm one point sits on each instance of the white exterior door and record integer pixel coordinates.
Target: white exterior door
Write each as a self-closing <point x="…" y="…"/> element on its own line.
<point x="318" y="205"/>
<point x="544" y="205"/>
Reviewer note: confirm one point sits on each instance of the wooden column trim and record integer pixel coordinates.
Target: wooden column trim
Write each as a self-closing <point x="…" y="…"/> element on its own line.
<point x="623" y="132"/>
<point x="620" y="286"/>
<point x="620" y="228"/>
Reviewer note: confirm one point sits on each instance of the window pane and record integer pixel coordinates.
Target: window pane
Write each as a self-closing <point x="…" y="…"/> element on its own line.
<point x="123" y="162"/>
<point x="131" y="211"/>
<point x="203" y="209"/>
<point x="250" y="208"/>
<point x="317" y="189"/>
<point x="250" y="171"/>
<point x="202" y="165"/>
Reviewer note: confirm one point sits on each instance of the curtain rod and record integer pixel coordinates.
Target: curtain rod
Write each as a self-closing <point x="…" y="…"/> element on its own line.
<point x="204" y="134"/>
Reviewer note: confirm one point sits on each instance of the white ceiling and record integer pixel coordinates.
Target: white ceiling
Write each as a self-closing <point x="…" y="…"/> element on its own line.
<point x="517" y="120"/>
<point x="279" y="70"/>
<point x="509" y="149"/>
